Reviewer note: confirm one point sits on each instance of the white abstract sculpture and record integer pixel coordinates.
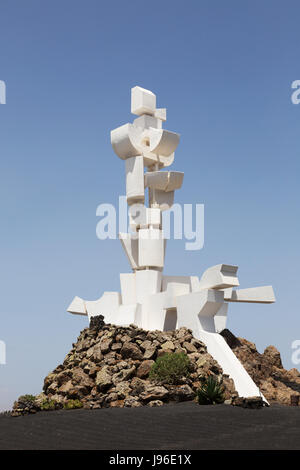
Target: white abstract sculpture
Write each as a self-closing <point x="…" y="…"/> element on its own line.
<point x="148" y="298"/>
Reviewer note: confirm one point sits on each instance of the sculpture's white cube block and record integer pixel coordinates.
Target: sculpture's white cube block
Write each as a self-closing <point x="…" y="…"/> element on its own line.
<point x="142" y="101"/>
<point x="128" y="292"/>
<point x="151" y="248"/>
<point x="176" y="285"/>
<point x="160" y="311"/>
<point x="148" y="282"/>
<point x="135" y="190"/>
<point x="161" y="113"/>
<point x="137" y="215"/>
<point x="145" y="121"/>
<point x="128" y="314"/>
<point x="153" y="218"/>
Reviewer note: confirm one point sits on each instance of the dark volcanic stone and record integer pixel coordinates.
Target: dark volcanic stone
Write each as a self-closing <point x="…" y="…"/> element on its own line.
<point x="97" y="322"/>
<point x="230" y="339"/>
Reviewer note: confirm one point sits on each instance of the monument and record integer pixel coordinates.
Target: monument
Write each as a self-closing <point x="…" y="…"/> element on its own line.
<point x="149" y="299"/>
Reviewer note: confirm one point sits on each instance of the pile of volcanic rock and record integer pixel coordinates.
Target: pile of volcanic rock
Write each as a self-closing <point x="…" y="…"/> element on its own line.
<point x="277" y="384"/>
<point x="109" y="366"/>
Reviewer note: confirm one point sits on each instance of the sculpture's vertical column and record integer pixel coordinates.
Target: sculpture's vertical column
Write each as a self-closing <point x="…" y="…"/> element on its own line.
<point x="145" y="145"/>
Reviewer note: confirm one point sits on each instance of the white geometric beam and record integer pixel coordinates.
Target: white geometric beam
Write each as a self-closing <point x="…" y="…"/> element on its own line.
<point x="77" y="306"/>
<point x="262" y="295"/>
<point x="220" y="276"/>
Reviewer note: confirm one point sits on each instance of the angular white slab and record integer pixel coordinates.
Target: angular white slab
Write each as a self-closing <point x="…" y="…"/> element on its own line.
<point x="77" y="306"/>
<point x="164" y="180"/>
<point x="130" y="245"/>
<point x="142" y="101"/>
<point x="176" y="285"/>
<point x="107" y="305"/>
<point x="135" y="190"/>
<point x="196" y="310"/>
<point x="220" y="276"/>
<point x="148" y="282"/>
<point x="220" y="318"/>
<point x="151" y="248"/>
<point x="221" y="352"/>
<point x="263" y="295"/>
<point x="128" y="290"/>
<point x="128" y="314"/>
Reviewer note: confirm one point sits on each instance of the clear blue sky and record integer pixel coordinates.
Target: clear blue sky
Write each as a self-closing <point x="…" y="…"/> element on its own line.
<point x="224" y="71"/>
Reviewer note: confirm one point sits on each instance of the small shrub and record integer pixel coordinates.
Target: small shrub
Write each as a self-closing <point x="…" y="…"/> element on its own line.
<point x="25" y="403"/>
<point x="48" y="405"/>
<point x="73" y="405"/>
<point x="170" y="368"/>
<point x="26" y="398"/>
<point x="211" y="392"/>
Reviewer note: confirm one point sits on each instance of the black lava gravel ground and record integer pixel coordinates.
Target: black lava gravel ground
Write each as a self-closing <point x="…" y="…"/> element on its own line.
<point x="184" y="426"/>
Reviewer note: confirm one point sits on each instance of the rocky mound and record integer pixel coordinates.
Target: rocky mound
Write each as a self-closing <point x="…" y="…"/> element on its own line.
<point x="276" y="383"/>
<point x="109" y="366"/>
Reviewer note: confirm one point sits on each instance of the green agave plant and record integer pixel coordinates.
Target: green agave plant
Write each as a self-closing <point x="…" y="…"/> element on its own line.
<point x="211" y="392"/>
<point x="170" y="368"/>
